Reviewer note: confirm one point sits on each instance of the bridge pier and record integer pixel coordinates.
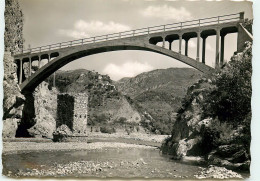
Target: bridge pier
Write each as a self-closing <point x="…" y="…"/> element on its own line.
<point x="180" y="42"/>
<point x="163" y="45"/>
<point x="198" y="46"/>
<point x="203" y="48"/>
<point x="170" y="44"/>
<point x="217" y="48"/>
<point x="186" y="46"/>
<point x="39" y="62"/>
<point x="222" y="45"/>
<point x="30" y="66"/>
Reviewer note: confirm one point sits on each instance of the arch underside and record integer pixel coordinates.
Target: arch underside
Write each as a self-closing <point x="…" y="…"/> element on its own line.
<point x="68" y="55"/>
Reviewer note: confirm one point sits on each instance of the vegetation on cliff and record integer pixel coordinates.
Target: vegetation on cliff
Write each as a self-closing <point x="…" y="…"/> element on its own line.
<point x="214" y="120"/>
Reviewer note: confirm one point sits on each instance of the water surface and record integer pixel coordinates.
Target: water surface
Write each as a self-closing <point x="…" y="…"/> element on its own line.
<point x="121" y="162"/>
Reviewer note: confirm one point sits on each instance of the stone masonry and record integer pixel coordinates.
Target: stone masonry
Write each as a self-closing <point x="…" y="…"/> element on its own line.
<point x="72" y="111"/>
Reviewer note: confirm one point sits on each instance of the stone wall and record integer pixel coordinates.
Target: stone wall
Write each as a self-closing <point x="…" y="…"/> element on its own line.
<point x="72" y="111"/>
<point x="80" y="113"/>
<point x="65" y="110"/>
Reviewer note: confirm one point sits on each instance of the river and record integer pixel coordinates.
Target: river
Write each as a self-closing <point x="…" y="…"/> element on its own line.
<point x="106" y="162"/>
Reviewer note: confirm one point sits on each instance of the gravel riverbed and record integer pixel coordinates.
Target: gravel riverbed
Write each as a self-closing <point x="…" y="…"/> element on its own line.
<point x="14" y="147"/>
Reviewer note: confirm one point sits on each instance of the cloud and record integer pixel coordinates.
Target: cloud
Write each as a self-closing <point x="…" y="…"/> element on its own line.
<point x="83" y="29"/>
<point x="167" y="13"/>
<point x="128" y="69"/>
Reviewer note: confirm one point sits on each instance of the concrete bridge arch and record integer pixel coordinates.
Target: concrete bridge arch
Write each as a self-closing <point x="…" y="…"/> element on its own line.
<point x="69" y="54"/>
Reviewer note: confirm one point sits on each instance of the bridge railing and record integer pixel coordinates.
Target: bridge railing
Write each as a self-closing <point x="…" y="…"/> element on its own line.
<point x="137" y="32"/>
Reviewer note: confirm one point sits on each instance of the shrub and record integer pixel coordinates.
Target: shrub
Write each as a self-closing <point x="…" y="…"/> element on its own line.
<point x="137" y="128"/>
<point x="121" y="120"/>
<point x="129" y="130"/>
<point x="216" y="134"/>
<point x="230" y="100"/>
<point x="107" y="129"/>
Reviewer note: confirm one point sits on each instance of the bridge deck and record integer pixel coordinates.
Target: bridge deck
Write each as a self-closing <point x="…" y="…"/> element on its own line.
<point x="189" y="29"/>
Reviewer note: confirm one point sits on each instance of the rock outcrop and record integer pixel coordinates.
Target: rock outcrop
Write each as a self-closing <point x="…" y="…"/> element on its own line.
<point x="207" y="126"/>
<point x="45" y="102"/>
<point x="13" y="102"/>
<point x="213" y="172"/>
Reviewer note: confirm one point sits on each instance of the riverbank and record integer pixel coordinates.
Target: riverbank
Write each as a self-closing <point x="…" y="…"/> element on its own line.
<point x="17" y="147"/>
<point x="93" y="141"/>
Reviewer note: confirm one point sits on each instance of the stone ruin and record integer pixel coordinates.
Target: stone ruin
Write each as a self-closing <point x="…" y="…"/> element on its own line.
<point x="72" y="111"/>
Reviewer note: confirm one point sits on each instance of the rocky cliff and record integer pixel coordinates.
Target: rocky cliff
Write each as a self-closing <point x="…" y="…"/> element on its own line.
<point x="13" y="103"/>
<point x="214" y="120"/>
<point x="13" y="99"/>
<point x="45" y="103"/>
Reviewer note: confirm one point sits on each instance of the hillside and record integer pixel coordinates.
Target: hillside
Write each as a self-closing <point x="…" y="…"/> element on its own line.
<point x="171" y="80"/>
<point x="159" y="93"/>
<point x="106" y="103"/>
<point x="151" y="98"/>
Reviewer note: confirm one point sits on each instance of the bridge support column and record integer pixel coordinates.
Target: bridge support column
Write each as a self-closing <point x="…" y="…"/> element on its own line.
<point x="180" y="42"/>
<point x="49" y="58"/>
<point x="21" y="71"/>
<point x="217" y="48"/>
<point x="39" y="62"/>
<point x="222" y="45"/>
<point x="163" y="45"/>
<point x="198" y="46"/>
<point x="186" y="46"/>
<point x="203" y="48"/>
<point x="30" y="66"/>
<point x="170" y="44"/>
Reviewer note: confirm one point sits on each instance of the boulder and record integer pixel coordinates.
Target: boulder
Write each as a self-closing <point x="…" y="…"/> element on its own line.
<point x="227" y="150"/>
<point x="185" y="145"/>
<point x="62" y="133"/>
<point x="43" y="128"/>
<point x="214" y="172"/>
<point x="63" y="129"/>
<point x="236" y="158"/>
<point x="9" y="127"/>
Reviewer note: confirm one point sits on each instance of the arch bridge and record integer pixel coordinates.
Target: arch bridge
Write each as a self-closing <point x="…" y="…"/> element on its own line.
<point x="145" y="39"/>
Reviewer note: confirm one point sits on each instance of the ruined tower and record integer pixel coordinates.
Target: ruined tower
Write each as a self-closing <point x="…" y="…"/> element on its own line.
<point x="72" y="110"/>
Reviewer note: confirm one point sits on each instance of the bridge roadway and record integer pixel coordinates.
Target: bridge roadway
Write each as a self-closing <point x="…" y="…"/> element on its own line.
<point x="144" y="39"/>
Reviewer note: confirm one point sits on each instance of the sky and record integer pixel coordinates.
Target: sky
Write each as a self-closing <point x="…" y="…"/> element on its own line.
<point x="48" y="21"/>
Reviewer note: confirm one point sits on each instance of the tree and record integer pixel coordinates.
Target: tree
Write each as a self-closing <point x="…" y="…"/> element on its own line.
<point x="230" y="100"/>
